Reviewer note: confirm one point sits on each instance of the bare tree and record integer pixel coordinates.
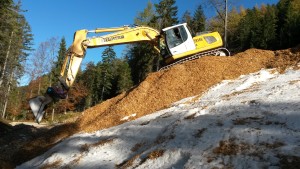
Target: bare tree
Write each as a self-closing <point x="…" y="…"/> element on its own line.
<point x="53" y="49"/>
<point x="42" y="61"/>
<point x="221" y="7"/>
<point x="39" y="62"/>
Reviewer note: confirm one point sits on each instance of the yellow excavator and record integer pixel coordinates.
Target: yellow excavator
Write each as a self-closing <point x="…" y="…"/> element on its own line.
<point x="175" y="44"/>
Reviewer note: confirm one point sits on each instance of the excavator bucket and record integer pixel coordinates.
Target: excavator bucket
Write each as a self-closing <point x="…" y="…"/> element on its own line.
<point x="38" y="105"/>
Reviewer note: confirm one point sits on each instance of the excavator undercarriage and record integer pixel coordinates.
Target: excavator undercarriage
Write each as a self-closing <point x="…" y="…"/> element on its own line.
<point x="214" y="52"/>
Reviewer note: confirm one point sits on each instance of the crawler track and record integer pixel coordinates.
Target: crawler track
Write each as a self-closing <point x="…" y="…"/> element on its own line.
<point x="214" y="52"/>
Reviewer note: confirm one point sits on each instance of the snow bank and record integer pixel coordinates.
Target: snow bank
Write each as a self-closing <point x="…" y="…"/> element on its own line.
<point x="250" y="122"/>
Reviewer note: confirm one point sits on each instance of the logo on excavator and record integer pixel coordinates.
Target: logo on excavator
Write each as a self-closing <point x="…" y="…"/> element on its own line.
<point x="198" y="40"/>
<point x="113" y="38"/>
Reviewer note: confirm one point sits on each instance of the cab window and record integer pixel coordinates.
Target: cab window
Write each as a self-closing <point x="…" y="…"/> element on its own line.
<point x="176" y="36"/>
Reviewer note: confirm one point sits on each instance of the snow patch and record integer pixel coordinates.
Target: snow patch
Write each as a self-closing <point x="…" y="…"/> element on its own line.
<point x="127" y="117"/>
<point x="250" y="122"/>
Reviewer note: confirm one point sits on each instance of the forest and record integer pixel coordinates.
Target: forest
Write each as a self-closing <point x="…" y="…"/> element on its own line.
<point x="270" y="27"/>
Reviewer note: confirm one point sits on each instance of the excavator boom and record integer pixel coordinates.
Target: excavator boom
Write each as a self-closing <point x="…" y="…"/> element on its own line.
<point x="76" y="53"/>
<point x="122" y="35"/>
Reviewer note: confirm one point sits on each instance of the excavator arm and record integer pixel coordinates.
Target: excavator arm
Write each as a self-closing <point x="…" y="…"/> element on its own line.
<point x="122" y="35"/>
<point x="76" y="53"/>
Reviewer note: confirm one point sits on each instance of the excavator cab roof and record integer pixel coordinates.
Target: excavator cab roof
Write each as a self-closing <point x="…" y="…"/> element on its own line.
<point x="171" y="27"/>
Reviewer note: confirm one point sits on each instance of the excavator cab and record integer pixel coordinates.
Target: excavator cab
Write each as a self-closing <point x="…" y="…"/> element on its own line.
<point x="176" y="40"/>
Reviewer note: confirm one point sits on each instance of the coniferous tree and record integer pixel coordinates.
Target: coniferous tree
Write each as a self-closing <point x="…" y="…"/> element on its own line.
<point x="108" y="56"/>
<point x="124" y="77"/>
<point x="268" y="20"/>
<point x="288" y="23"/>
<point x="187" y="18"/>
<point x="283" y="7"/>
<point x="166" y="13"/>
<point x="234" y="18"/>
<point x="106" y="79"/>
<point x="199" y="19"/>
<point x="121" y="80"/>
<point x="141" y="61"/>
<point x="90" y="78"/>
<point x="142" y="58"/>
<point x="62" y="51"/>
<point x="248" y="29"/>
<point x="146" y="16"/>
<point x="256" y="31"/>
<point x="258" y="28"/>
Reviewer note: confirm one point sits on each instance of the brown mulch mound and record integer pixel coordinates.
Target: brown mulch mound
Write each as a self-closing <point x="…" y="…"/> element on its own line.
<point x="157" y="92"/>
<point x="160" y="89"/>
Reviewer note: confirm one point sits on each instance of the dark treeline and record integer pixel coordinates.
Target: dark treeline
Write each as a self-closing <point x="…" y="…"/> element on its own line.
<point x="266" y="27"/>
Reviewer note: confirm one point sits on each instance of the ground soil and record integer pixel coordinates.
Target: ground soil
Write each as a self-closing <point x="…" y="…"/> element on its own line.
<point x="21" y="143"/>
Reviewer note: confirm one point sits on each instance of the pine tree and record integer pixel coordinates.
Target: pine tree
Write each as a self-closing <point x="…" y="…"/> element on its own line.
<point x="282" y="8"/>
<point x="234" y="18"/>
<point x="198" y="22"/>
<point x="187" y="18"/>
<point x="124" y="77"/>
<point x="269" y="19"/>
<point x="60" y="58"/>
<point x="288" y="23"/>
<point x="146" y="16"/>
<point x="141" y="61"/>
<point x="166" y="13"/>
<point x="108" y="56"/>
<point x="250" y="29"/>
<point x="142" y="58"/>
<point x="257" y="29"/>
<point x="121" y="80"/>
<point x="90" y="78"/>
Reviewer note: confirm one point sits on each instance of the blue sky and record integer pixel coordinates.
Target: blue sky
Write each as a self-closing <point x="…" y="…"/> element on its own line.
<point x="61" y="18"/>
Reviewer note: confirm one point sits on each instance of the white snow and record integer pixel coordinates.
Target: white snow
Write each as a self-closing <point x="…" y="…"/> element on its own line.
<point x="128" y="117"/>
<point x="249" y="122"/>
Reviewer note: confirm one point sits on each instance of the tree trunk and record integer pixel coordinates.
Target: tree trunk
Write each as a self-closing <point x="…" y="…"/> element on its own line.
<point x="6" y="57"/>
<point x="225" y="25"/>
<point x="52" y="115"/>
<point x="39" y="87"/>
<point x="30" y="93"/>
<point x="5" y="106"/>
<point x="103" y="89"/>
<point x="7" y="94"/>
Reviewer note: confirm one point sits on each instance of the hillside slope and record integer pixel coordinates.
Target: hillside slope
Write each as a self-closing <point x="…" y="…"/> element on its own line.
<point x="158" y="91"/>
<point x="250" y="122"/>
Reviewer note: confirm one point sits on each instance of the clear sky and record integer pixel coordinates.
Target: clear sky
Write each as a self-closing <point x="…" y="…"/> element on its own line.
<point x="61" y="18"/>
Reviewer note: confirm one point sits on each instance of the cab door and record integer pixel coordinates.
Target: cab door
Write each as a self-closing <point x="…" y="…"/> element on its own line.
<point x="177" y="40"/>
